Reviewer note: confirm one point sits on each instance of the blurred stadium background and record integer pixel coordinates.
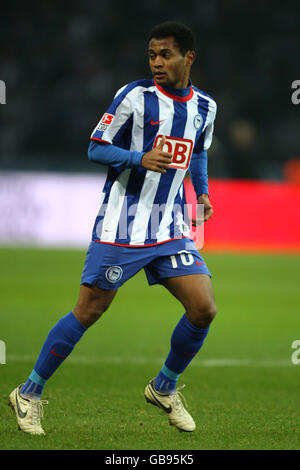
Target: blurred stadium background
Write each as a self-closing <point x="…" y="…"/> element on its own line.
<point x="62" y="62"/>
<point x="61" y="70"/>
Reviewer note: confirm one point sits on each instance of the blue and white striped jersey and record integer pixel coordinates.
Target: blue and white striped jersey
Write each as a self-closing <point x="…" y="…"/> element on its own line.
<point x="140" y="207"/>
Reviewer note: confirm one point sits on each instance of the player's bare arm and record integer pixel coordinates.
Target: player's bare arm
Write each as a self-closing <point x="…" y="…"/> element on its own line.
<point x="156" y="159"/>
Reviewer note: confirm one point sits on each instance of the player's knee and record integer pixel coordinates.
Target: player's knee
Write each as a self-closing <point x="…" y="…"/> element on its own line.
<point x="203" y="314"/>
<point x="210" y="312"/>
<point x="91" y="304"/>
<point x="85" y="315"/>
<point x="89" y="312"/>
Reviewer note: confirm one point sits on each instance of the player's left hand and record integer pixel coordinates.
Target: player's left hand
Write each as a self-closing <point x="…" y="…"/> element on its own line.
<point x="208" y="210"/>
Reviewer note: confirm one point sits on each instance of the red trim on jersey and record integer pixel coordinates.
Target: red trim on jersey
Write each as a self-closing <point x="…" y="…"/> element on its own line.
<point x="101" y="140"/>
<point x="139" y="246"/>
<point x="175" y="97"/>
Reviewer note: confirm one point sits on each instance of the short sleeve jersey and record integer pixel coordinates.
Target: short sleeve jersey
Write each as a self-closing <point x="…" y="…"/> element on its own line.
<point x="140" y="207"/>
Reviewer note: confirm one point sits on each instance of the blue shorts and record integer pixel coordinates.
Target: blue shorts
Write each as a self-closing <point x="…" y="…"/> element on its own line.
<point x="109" y="266"/>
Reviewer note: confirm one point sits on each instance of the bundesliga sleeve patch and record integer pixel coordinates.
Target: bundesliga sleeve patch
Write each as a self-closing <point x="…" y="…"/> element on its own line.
<point x="105" y="122"/>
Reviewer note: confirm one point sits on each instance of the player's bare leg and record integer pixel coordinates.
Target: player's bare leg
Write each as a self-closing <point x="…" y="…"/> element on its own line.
<point x="196" y="294"/>
<point x="92" y="303"/>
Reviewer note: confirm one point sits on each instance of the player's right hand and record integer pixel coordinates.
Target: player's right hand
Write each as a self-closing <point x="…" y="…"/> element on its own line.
<point x="156" y="159"/>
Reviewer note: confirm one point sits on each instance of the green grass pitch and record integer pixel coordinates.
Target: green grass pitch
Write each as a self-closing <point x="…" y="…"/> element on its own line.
<point x="242" y="388"/>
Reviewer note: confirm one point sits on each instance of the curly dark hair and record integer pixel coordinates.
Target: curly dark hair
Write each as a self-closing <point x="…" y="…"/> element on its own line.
<point x="184" y="38"/>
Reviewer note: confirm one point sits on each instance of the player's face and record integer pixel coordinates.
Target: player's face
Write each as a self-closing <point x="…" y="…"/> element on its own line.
<point x="168" y="66"/>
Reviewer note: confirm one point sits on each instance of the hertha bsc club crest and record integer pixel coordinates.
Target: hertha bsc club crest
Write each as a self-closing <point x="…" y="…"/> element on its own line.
<point x="198" y="121"/>
<point x="114" y="273"/>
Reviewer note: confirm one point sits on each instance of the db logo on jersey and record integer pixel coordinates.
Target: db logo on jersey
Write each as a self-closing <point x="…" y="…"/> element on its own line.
<point x="105" y="122"/>
<point x="180" y="148"/>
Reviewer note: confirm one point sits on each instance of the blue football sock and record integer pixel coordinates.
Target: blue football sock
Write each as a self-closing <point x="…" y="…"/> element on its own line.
<point x="186" y="341"/>
<point x="34" y="386"/>
<point x="166" y="381"/>
<point x="58" y="345"/>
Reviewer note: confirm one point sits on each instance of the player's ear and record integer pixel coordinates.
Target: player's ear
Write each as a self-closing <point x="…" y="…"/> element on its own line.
<point x="190" y="58"/>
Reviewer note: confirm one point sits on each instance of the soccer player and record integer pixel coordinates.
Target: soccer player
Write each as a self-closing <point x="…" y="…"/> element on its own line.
<point x="152" y="133"/>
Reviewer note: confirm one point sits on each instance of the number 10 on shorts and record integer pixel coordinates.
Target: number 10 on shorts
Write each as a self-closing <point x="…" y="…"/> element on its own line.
<point x="186" y="258"/>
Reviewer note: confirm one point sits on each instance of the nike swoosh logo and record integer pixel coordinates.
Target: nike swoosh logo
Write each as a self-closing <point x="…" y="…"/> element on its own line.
<point x="154" y="123"/>
<point x="166" y="409"/>
<point x="57" y="355"/>
<point x="21" y="413"/>
<point x="189" y="354"/>
<point x="197" y="262"/>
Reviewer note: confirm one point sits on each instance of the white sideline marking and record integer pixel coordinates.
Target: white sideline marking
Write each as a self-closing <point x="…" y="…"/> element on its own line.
<point x="217" y="362"/>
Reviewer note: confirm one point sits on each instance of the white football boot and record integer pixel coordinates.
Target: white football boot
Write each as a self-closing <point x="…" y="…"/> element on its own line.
<point x="29" y="412"/>
<point x="172" y="406"/>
